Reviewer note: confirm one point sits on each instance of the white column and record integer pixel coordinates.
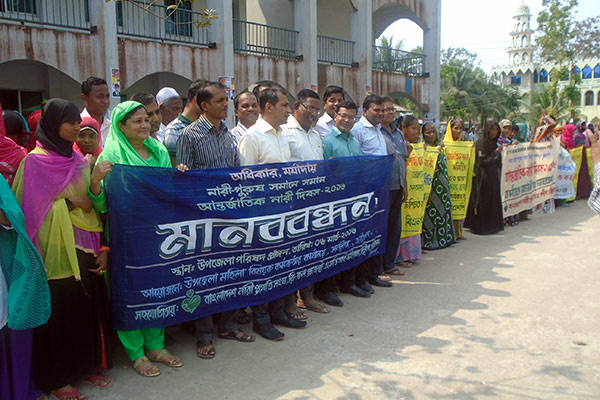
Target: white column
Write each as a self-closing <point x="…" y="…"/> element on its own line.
<point x="362" y="35"/>
<point x="221" y="33"/>
<point x="431" y="49"/>
<point x="305" y="22"/>
<point x="103" y="15"/>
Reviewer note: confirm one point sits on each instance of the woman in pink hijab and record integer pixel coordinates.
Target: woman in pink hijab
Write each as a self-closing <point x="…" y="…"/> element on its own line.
<point x="11" y="154"/>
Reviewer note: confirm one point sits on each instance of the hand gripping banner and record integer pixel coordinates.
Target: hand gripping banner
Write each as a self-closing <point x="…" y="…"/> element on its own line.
<point x="190" y="244"/>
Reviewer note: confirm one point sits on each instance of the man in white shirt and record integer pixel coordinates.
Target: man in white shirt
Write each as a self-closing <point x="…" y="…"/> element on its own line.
<point x="332" y="97"/>
<point x="305" y="144"/>
<point x="246" y="110"/>
<point x="265" y="142"/>
<point x="96" y="99"/>
<point x="171" y="105"/>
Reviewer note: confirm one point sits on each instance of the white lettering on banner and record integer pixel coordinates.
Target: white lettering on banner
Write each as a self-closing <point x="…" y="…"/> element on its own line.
<point x="182" y="236"/>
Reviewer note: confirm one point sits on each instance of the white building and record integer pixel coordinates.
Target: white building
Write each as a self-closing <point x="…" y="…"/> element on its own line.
<point x="50" y="46"/>
<point x="522" y="72"/>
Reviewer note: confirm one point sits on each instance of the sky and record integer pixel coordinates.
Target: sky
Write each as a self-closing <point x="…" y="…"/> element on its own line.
<point x="480" y="26"/>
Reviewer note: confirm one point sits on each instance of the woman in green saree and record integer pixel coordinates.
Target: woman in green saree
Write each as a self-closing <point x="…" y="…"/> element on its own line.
<point x="438" y="228"/>
<point x="129" y="143"/>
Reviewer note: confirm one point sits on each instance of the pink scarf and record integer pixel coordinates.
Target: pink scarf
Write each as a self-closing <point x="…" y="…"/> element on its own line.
<point x="567" y="136"/>
<point x="11" y="154"/>
<point x="47" y="176"/>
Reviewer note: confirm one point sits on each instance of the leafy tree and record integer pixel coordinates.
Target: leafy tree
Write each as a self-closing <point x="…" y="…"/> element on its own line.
<point x="388" y="56"/>
<point x="556" y="25"/>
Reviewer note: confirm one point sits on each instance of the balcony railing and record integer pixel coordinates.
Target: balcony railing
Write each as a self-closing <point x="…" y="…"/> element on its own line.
<point x="153" y="21"/>
<point x="264" y="40"/>
<point x="335" y="51"/>
<point x="388" y="59"/>
<point x="72" y="14"/>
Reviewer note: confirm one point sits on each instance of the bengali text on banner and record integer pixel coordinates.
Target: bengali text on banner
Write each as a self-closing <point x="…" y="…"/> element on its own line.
<point x="420" y="167"/>
<point x="187" y="245"/>
<point x="461" y="163"/>
<point x="529" y="172"/>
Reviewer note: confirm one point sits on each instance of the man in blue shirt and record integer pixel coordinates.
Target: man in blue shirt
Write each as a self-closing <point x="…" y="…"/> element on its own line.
<point x="368" y="133"/>
<point x="340" y="142"/>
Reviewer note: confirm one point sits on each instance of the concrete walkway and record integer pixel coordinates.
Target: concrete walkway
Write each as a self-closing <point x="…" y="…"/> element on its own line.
<point x="515" y="315"/>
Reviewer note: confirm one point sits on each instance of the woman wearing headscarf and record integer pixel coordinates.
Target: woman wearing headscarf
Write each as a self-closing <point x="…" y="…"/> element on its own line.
<point x="454" y="134"/>
<point x="438" y="228"/>
<point x="52" y="188"/>
<point x="24" y="300"/>
<point x="88" y="140"/>
<point x="572" y="138"/>
<point x="11" y="154"/>
<point x="128" y="143"/>
<point x="484" y="216"/>
<point x="32" y="121"/>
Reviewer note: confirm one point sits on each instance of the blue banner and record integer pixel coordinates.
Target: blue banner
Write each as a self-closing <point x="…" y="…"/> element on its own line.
<point x="189" y="244"/>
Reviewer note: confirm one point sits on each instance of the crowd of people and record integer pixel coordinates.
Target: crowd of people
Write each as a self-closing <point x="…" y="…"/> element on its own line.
<point x="55" y="315"/>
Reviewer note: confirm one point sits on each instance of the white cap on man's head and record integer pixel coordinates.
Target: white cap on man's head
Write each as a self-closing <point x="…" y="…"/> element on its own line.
<point x="165" y="94"/>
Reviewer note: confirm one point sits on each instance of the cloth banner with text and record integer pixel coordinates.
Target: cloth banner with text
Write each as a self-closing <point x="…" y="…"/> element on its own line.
<point x="529" y="172"/>
<point x="420" y="167"/>
<point x="564" y="179"/>
<point x="461" y="163"/>
<point x="190" y="244"/>
<point x="577" y="156"/>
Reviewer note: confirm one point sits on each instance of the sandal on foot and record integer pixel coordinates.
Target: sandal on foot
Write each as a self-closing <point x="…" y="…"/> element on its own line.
<point x="404" y="264"/>
<point x="150" y="371"/>
<point x="395" y="271"/>
<point x="100" y="381"/>
<point x="166" y="358"/>
<point x="385" y="278"/>
<point x="73" y="394"/>
<point x="316" y="306"/>
<point x="210" y="349"/>
<point x="238" y="335"/>
<point x="295" y="312"/>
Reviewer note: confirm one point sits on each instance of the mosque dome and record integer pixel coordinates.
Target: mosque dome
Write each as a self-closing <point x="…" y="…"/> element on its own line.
<point x="523" y="10"/>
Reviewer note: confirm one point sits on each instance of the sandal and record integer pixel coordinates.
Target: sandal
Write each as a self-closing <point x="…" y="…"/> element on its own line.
<point x="385" y="278"/>
<point x="404" y="264"/>
<point x="395" y="271"/>
<point x="238" y="335"/>
<point x="73" y="394"/>
<point x="294" y="312"/>
<point x="316" y="306"/>
<point x="210" y="349"/>
<point x="100" y="381"/>
<point x="150" y="371"/>
<point x="163" y="357"/>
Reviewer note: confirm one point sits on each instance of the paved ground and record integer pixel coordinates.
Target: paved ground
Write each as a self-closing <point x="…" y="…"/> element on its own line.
<point x="509" y="316"/>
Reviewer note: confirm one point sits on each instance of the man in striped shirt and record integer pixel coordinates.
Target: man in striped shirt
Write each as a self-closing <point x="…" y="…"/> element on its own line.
<point x="204" y="144"/>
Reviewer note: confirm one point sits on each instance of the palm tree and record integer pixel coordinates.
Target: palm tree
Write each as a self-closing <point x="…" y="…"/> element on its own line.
<point x="387" y="54"/>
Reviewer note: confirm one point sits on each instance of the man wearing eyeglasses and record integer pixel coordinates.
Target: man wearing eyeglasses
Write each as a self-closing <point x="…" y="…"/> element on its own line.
<point x="305" y="144"/>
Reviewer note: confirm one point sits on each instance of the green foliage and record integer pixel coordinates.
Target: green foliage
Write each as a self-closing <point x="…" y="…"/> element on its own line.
<point x="557" y="28"/>
<point x="467" y="92"/>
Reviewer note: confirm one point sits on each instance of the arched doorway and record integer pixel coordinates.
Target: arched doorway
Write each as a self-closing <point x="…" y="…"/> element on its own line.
<point x="154" y="82"/>
<point x="43" y="82"/>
